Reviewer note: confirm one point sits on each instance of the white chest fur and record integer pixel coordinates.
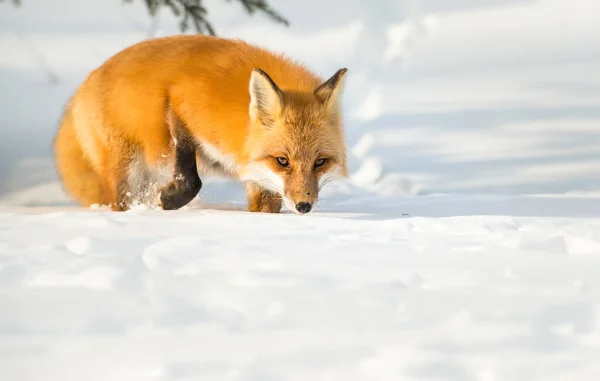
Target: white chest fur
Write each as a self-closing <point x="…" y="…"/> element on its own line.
<point x="213" y="162"/>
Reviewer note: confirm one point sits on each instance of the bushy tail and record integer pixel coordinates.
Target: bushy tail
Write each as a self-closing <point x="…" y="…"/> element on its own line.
<point x="79" y="178"/>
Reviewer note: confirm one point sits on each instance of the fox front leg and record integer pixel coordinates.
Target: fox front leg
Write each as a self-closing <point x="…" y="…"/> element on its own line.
<point x="186" y="182"/>
<point x="262" y="200"/>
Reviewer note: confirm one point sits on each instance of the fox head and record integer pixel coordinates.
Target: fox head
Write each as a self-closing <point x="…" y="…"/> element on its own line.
<point x="296" y="141"/>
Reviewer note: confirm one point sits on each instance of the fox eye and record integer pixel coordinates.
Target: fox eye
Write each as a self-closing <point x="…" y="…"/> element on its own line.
<point x="283" y="161"/>
<point x="320" y="162"/>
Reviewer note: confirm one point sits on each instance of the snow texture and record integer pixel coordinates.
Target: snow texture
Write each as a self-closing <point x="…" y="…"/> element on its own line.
<point x="465" y="245"/>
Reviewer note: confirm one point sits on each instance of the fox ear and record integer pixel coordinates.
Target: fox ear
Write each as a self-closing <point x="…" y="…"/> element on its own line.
<point x="265" y="96"/>
<point x="329" y="90"/>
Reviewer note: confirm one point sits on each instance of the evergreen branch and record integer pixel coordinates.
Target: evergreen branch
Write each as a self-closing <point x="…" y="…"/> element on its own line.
<point x="252" y="6"/>
<point x="195" y="11"/>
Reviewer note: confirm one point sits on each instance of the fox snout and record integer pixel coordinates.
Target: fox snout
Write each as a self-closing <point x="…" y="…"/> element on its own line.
<point x="303" y="207"/>
<point x="303" y="199"/>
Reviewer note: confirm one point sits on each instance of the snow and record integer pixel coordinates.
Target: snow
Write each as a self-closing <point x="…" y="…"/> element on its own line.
<point x="464" y="246"/>
<point x="345" y="294"/>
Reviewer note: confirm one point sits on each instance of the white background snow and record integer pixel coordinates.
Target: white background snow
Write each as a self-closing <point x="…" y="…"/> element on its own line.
<point x="465" y="246"/>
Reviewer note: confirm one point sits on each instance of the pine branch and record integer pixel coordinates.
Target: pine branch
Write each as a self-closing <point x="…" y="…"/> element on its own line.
<point x="252" y="6"/>
<point x="194" y="11"/>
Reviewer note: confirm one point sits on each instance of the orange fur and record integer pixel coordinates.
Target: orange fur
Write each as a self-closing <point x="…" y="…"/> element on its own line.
<point x="119" y="123"/>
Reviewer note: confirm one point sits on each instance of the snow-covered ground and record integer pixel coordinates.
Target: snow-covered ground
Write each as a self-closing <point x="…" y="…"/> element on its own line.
<point x="466" y="245"/>
<point x="342" y="295"/>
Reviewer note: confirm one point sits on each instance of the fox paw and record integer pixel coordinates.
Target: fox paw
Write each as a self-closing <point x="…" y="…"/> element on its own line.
<point x="178" y="193"/>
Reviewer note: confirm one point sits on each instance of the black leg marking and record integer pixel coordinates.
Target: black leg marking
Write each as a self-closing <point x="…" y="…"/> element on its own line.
<point x="186" y="183"/>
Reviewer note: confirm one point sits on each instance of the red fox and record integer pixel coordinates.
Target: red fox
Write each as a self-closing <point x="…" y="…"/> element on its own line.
<point x="152" y="119"/>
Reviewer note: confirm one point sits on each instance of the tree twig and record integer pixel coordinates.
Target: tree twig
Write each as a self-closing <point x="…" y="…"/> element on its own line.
<point x="194" y="11"/>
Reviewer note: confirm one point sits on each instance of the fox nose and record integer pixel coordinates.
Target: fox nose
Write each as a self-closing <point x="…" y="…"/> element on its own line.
<point x="303" y="207"/>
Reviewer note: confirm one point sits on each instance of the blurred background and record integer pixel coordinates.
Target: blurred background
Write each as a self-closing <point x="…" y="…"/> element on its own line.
<point x="442" y="96"/>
